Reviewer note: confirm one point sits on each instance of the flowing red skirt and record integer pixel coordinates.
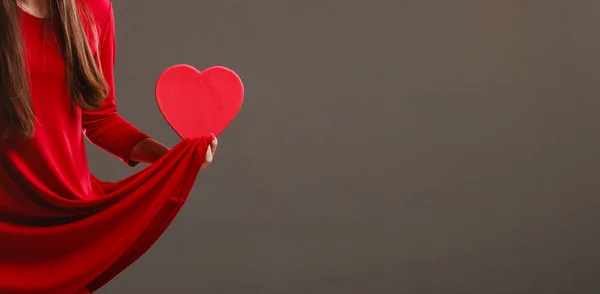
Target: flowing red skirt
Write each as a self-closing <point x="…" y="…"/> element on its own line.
<point x="77" y="246"/>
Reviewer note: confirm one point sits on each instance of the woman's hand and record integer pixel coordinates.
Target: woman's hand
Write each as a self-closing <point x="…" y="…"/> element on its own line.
<point x="210" y="152"/>
<point x="149" y="151"/>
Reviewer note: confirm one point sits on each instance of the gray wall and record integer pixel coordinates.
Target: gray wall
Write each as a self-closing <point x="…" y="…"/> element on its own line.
<point x="383" y="147"/>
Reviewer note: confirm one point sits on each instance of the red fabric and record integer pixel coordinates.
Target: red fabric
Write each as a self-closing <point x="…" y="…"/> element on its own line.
<point x="61" y="229"/>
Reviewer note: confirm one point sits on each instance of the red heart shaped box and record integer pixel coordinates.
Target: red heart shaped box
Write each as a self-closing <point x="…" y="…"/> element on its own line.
<point x="196" y="103"/>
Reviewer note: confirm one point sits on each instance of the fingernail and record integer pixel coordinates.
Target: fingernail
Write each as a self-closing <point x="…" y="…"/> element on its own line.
<point x="212" y="136"/>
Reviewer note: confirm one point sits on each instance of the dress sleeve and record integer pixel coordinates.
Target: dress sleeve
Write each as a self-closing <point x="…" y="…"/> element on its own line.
<point x="104" y="127"/>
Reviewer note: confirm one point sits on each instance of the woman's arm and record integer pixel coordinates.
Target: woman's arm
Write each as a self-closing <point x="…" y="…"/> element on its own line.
<point x="104" y="127"/>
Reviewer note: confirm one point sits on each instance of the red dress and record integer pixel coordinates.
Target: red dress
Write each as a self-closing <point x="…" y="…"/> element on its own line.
<point x="61" y="229"/>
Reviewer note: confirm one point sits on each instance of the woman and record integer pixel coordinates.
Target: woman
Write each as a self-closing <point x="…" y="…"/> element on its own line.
<point x="61" y="229"/>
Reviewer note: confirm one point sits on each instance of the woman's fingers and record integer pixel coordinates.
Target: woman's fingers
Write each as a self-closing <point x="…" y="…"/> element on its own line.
<point x="209" y="155"/>
<point x="207" y="158"/>
<point x="210" y="151"/>
<point x="213" y="146"/>
<point x="214" y="143"/>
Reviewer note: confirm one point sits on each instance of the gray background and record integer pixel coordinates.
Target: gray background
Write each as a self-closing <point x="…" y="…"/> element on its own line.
<point x="383" y="147"/>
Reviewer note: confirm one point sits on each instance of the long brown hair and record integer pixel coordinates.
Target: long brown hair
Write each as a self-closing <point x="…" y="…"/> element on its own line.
<point x="87" y="87"/>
